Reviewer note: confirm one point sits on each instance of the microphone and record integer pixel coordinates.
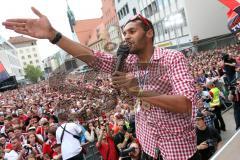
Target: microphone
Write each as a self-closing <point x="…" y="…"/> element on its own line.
<point x="122" y="54"/>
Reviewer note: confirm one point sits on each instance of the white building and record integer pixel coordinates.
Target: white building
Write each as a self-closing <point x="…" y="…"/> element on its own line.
<point x="9" y="59"/>
<point x="114" y="34"/>
<point x="126" y="9"/>
<point x="27" y="50"/>
<point x="55" y="60"/>
<point x="181" y="21"/>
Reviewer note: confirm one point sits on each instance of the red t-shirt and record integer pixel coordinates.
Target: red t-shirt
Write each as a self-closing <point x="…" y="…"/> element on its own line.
<point x="23" y="117"/>
<point x="47" y="148"/>
<point x="108" y="150"/>
<point x="55" y="154"/>
<point x="40" y="130"/>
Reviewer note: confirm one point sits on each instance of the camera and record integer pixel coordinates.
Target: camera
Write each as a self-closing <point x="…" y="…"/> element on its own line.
<point x="210" y="142"/>
<point x="27" y="147"/>
<point x="125" y="152"/>
<point x="232" y="88"/>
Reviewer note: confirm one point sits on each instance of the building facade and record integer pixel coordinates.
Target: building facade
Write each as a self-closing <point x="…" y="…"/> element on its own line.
<point x="177" y="23"/>
<point x="27" y="51"/>
<point x="9" y="59"/>
<point x="110" y="21"/>
<point x="125" y="10"/>
<point x="85" y="28"/>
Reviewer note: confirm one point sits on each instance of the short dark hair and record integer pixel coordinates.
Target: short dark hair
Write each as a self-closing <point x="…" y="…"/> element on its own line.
<point x="52" y="131"/>
<point x="15" y="138"/>
<point x="62" y="117"/>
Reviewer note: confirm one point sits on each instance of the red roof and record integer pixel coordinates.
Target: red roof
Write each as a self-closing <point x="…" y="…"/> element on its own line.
<point x="20" y="40"/>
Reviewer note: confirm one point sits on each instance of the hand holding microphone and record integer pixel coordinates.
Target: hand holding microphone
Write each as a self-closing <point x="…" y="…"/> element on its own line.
<point x="122" y="54"/>
<point x="119" y="78"/>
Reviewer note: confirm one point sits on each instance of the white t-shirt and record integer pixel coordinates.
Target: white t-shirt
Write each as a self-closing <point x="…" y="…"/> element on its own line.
<point x="70" y="146"/>
<point x="3" y="130"/>
<point x="12" y="155"/>
<point x="206" y="94"/>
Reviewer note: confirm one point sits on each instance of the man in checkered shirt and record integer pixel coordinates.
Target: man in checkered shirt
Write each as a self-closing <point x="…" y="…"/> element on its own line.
<point x="160" y="78"/>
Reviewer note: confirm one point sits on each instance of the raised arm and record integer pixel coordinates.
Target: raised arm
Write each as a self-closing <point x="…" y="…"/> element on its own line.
<point x="41" y="28"/>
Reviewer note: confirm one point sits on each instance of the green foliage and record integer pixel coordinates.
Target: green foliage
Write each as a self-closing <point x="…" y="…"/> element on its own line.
<point x="33" y="73"/>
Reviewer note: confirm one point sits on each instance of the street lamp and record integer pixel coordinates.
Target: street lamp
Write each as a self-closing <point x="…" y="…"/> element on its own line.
<point x="174" y="21"/>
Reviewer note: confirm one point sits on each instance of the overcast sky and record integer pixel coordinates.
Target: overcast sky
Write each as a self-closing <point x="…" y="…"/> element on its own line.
<point x="55" y="10"/>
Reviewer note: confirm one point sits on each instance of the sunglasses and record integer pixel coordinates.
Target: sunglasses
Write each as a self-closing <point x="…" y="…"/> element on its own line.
<point x="142" y="19"/>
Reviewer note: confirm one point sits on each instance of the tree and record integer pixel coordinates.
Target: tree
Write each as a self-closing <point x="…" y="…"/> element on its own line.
<point x="33" y="73"/>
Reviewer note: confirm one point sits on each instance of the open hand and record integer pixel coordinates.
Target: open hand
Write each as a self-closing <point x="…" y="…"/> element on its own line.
<point x="38" y="28"/>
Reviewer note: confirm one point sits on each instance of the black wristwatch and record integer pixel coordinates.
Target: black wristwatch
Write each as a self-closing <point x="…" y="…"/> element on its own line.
<point x="57" y="38"/>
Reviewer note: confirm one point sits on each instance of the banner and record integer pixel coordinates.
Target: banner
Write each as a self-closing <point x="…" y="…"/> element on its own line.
<point x="3" y="73"/>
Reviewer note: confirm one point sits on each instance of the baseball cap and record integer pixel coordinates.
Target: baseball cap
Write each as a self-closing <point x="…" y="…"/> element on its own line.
<point x="199" y="115"/>
<point x="210" y="83"/>
<point x="9" y="146"/>
<point x="32" y="129"/>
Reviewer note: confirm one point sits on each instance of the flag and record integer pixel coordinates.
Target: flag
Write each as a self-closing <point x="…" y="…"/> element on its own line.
<point x="233" y="14"/>
<point x="231" y="4"/>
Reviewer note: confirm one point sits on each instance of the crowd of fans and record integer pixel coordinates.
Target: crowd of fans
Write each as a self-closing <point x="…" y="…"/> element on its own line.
<point x="216" y="78"/>
<point x="29" y="116"/>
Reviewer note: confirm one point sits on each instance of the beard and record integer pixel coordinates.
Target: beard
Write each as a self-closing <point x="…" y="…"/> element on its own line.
<point x="137" y="50"/>
<point x="138" y="46"/>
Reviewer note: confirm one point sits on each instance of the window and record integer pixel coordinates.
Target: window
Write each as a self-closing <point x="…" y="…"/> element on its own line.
<point x="121" y="12"/>
<point x="20" y="51"/>
<point x="29" y="56"/>
<point x="127" y="9"/>
<point x="134" y="11"/>
<point x="150" y="11"/>
<point x="184" y="17"/>
<point x="154" y="7"/>
<point x="24" y="63"/>
<point x="30" y="62"/>
<point x="160" y="27"/>
<point x="37" y="61"/>
<point x="124" y="11"/>
<point x="27" y="50"/>
<point x="33" y="49"/>
<point x="35" y="55"/>
<point x="23" y="57"/>
<point x="146" y="12"/>
<point x="119" y="16"/>
<point x="155" y="26"/>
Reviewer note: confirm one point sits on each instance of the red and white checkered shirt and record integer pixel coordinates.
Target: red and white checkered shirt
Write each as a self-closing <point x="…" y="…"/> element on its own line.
<point x="173" y="133"/>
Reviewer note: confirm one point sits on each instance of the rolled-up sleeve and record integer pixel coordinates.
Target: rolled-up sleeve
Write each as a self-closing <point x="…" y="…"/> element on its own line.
<point x="181" y="79"/>
<point x="104" y="62"/>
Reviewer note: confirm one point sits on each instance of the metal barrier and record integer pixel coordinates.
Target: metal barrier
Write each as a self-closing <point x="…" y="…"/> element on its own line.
<point x="92" y="152"/>
<point x="230" y="151"/>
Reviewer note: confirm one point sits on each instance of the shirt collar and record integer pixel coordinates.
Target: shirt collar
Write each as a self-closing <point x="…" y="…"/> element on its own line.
<point x="158" y="53"/>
